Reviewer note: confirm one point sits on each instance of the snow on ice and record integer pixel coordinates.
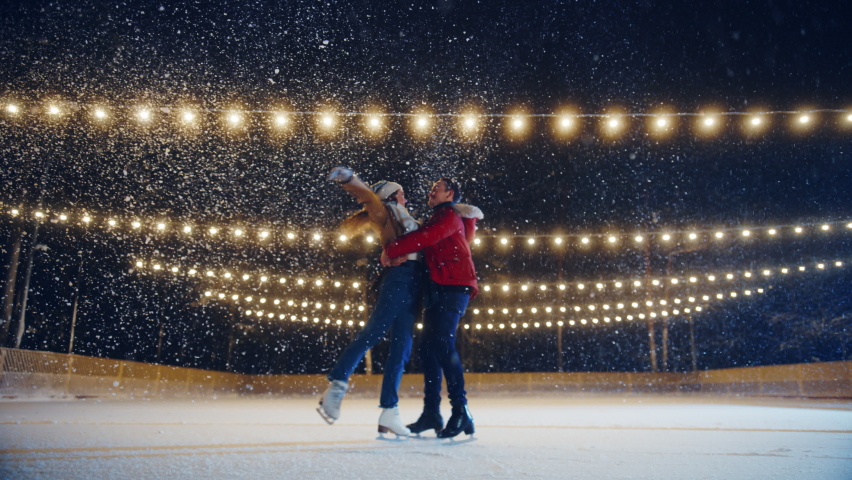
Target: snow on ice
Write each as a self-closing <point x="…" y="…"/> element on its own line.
<point x="595" y="437"/>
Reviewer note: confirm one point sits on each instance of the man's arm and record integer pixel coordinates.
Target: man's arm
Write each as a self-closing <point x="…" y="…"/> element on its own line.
<point x="438" y="228"/>
<point x="469" y="215"/>
<point x="469" y="229"/>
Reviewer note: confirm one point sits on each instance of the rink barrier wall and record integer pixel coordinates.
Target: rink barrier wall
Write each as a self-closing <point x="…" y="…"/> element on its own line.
<point x="31" y="374"/>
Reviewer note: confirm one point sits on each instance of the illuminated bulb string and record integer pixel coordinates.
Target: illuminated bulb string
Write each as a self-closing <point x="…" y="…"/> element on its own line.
<point x="537" y="321"/>
<point x="592" y="287"/>
<point x="147" y="112"/>
<point x="312" y="306"/>
<point x="565" y="124"/>
<point x="264" y="235"/>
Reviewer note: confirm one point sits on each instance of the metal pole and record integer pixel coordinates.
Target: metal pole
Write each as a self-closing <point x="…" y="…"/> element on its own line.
<point x="160" y="342"/>
<point x="669" y="260"/>
<point x="73" y="324"/>
<point x="559" y="360"/>
<point x="9" y="288"/>
<point x="26" y="290"/>
<point x="652" y="346"/>
<point x="692" y="344"/>
<point x="559" y="366"/>
<point x="76" y="302"/>
<point x="45" y="173"/>
<point x="235" y="322"/>
<point x="231" y="340"/>
<point x="22" y="320"/>
<point x="665" y="321"/>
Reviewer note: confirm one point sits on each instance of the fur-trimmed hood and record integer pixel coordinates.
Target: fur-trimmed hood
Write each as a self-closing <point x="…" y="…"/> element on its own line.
<point x="468" y="211"/>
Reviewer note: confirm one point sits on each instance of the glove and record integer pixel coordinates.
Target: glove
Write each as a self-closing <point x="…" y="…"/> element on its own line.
<point x="340" y="175"/>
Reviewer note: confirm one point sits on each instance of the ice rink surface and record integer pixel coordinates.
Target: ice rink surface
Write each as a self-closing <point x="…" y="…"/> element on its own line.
<point x="553" y="436"/>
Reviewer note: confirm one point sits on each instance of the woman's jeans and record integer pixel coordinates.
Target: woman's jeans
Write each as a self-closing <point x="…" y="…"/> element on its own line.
<point x="444" y="309"/>
<point x="396" y="309"/>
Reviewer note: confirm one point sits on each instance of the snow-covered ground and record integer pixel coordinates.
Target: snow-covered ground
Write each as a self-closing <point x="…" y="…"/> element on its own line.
<point x="569" y="436"/>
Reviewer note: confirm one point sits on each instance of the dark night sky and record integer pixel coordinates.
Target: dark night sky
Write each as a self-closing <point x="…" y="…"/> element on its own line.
<point x="636" y="55"/>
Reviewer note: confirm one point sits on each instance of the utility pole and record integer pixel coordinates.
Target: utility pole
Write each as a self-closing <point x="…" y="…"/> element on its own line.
<point x="160" y="340"/>
<point x="45" y="173"/>
<point x="11" y="279"/>
<point x="76" y="302"/>
<point x="692" y="343"/>
<point x="652" y="345"/>
<point x="669" y="260"/>
<point x="559" y="357"/>
<point x="26" y="290"/>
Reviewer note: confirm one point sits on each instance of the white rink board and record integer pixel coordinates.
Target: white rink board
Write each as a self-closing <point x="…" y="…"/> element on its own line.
<point x="568" y="436"/>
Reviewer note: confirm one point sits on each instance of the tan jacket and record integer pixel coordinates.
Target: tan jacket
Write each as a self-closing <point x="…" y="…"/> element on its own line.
<point x="376" y="214"/>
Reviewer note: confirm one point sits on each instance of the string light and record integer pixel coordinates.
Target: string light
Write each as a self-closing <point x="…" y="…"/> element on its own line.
<point x="565" y="123"/>
<point x="143" y="115"/>
<point x="281" y="120"/>
<point x="374" y="123"/>
<point x="326" y="122"/>
<point x="708" y="123"/>
<point x="613" y="125"/>
<point x="584" y="240"/>
<point x="421" y="121"/>
<point x="469" y="122"/>
<point x="312" y="306"/>
<point x="517" y="123"/>
<point x="506" y="287"/>
<point x="661" y="124"/>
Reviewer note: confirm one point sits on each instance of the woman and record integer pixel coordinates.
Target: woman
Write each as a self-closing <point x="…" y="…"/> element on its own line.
<point x="398" y="302"/>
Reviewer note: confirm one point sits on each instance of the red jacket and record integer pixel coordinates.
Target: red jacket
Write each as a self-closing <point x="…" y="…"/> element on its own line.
<point x="444" y="240"/>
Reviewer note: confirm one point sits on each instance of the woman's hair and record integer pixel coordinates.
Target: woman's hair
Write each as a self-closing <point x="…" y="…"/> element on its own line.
<point x="452" y="185"/>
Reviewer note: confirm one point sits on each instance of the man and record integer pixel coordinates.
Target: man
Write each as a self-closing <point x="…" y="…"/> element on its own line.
<point x="445" y="243"/>
<point x="397" y="305"/>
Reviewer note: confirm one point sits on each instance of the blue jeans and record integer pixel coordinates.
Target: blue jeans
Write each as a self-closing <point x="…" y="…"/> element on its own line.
<point x="396" y="310"/>
<point x="438" y="353"/>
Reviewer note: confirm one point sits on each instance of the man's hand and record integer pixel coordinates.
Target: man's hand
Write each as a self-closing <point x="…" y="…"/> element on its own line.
<point x="388" y="262"/>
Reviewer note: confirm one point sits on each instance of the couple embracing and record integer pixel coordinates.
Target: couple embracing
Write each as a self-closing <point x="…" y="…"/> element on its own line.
<point x="440" y="246"/>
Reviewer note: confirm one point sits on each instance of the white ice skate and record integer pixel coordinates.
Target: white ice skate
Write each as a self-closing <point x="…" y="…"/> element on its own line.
<point x="329" y="405"/>
<point x="389" y="422"/>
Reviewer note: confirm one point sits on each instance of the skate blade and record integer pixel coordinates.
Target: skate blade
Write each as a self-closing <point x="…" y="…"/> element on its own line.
<point x="383" y="429"/>
<point x="325" y="417"/>
<point x="456" y="440"/>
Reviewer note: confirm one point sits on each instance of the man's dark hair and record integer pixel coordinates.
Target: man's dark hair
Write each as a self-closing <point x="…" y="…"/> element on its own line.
<point x="452" y="185"/>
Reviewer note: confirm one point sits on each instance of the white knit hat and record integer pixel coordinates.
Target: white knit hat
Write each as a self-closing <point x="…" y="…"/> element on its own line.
<point x="385" y="189"/>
